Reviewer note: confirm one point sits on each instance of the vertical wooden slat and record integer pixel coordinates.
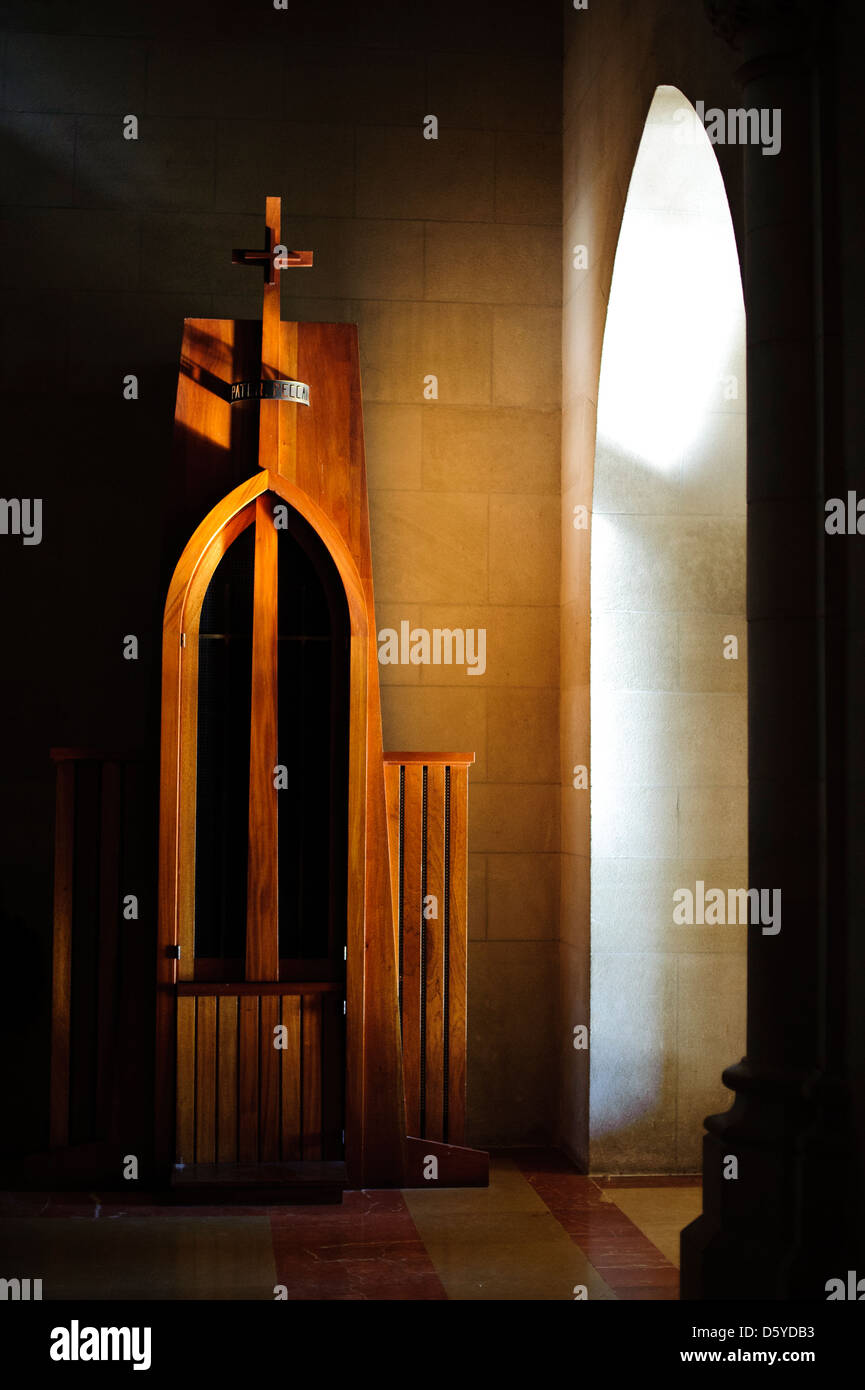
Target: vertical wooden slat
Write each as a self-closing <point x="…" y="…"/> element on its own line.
<point x="262" y="944"/>
<point x="333" y="1076"/>
<point x="311" y="1036"/>
<point x="359" y="778"/>
<point x="110" y="925"/>
<point x="185" y="1149"/>
<point x="391" y="784"/>
<point x="247" y="1136"/>
<point x="434" y="953"/>
<point x="268" y="1116"/>
<point x="188" y="780"/>
<point x="226" y="1129"/>
<point x="205" y="1080"/>
<point x="412" y="906"/>
<point x="457" y="923"/>
<point x="268" y="417"/>
<point x="290" y="1067"/>
<point x="61" y="987"/>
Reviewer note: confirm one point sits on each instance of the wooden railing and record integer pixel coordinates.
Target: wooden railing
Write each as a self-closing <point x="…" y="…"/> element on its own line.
<point x="97" y="976"/>
<point x="427" y="804"/>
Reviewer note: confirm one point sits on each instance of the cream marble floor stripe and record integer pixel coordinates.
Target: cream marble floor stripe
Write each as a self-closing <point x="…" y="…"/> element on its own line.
<point x="501" y="1242"/>
<point x="660" y="1213"/>
<point x="120" y="1256"/>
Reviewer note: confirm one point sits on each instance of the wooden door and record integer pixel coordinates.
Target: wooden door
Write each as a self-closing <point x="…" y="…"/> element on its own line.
<point x="263" y="850"/>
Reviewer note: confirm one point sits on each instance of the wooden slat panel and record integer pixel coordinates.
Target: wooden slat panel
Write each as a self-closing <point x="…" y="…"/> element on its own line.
<point x="268" y="1112"/>
<point x="111" y="924"/>
<point x="61" y="988"/>
<point x="311" y="1036"/>
<point x="262" y="945"/>
<point x="226" y="1127"/>
<point x="458" y="915"/>
<point x="391" y="783"/>
<point x="411" y="985"/>
<point x="185" y="1149"/>
<point x="290" y="1065"/>
<point x="205" y="1081"/>
<point x="434" y="955"/>
<point x="247" y="1132"/>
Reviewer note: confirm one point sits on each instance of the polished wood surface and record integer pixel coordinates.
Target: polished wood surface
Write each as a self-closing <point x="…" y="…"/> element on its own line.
<point x="392" y="799"/>
<point x="262" y="894"/>
<point x="412" y="920"/>
<point x="205" y="1080"/>
<point x="269" y="411"/>
<point x="458" y="1166"/>
<point x="248" y="1050"/>
<point x="317" y="467"/>
<point x="435" y="994"/>
<point x="446" y="759"/>
<point x="310" y="1027"/>
<point x="428" y="839"/>
<point x="290" y="1100"/>
<point x="258" y="988"/>
<point x="185" y="1141"/>
<point x="226" y="1126"/>
<point x="269" y="1080"/>
<point x="457" y="955"/>
<point x="240" y="1097"/>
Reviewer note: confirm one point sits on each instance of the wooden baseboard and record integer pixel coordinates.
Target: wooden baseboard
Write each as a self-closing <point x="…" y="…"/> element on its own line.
<point x="455" y="1165"/>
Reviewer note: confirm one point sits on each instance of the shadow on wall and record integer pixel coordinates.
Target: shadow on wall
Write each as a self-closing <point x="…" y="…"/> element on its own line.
<point x="76" y="322"/>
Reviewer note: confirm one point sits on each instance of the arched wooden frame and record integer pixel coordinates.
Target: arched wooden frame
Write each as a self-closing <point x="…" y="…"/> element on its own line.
<point x="178" y="770"/>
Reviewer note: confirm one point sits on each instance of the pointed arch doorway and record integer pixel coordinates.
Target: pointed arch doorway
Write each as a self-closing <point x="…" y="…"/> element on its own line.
<point x="264" y="655"/>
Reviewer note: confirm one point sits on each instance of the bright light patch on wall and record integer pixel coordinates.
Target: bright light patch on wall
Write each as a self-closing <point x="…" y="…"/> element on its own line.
<point x="675" y="305"/>
<point x="668" y="728"/>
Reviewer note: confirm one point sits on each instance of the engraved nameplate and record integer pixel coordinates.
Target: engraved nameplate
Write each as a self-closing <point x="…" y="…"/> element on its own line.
<point x="284" y="389"/>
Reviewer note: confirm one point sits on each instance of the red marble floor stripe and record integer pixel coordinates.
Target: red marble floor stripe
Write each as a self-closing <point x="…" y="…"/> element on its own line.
<point x="368" y="1248"/>
<point x="633" y="1267"/>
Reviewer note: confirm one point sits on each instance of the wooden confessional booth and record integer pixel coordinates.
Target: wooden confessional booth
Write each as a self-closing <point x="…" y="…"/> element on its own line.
<point x="310" y="1012"/>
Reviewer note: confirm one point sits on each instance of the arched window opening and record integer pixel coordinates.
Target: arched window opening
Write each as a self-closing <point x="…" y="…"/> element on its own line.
<point x="668" y="658"/>
<point x="308" y="689"/>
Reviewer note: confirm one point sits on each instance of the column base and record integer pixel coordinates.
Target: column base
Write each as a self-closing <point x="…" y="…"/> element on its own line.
<point x="791" y="1218"/>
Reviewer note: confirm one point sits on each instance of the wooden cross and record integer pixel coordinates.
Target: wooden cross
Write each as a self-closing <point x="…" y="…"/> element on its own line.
<point x="271" y="265"/>
<point x="272" y="365"/>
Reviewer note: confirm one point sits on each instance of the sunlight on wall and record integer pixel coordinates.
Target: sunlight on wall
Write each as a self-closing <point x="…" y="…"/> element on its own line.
<point x="675" y="303"/>
<point x="668" y="710"/>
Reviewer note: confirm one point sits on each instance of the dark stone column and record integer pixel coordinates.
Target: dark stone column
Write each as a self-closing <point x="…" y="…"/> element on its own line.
<point x="788" y="1222"/>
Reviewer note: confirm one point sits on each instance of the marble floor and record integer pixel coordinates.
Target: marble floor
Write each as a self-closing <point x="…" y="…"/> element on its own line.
<point x="539" y="1232"/>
